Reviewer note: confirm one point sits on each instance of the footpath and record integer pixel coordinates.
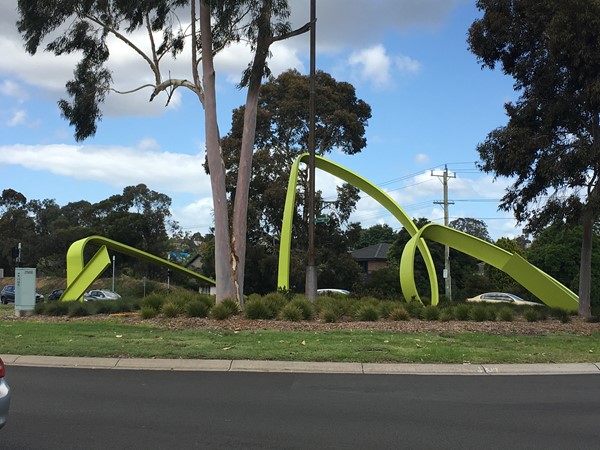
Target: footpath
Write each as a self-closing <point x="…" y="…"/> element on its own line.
<point x="222" y="365"/>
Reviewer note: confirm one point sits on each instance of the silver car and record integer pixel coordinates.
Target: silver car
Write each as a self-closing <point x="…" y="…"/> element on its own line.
<point x="100" y="294"/>
<point x="501" y="297"/>
<point x="4" y="395"/>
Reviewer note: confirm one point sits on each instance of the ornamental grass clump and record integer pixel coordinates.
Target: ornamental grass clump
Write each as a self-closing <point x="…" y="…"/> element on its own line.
<point x="257" y="308"/>
<point x="478" y="313"/>
<point x="291" y="313"/>
<point x="305" y="306"/>
<point x="367" y="313"/>
<point x="170" y="309"/>
<point x="431" y="312"/>
<point x="446" y="314"/>
<point x="531" y="315"/>
<point x="462" y="312"/>
<point x="197" y="308"/>
<point x="154" y="300"/>
<point x="78" y="309"/>
<point x="328" y="315"/>
<point x="415" y="309"/>
<point x="148" y="312"/>
<point x="57" y="308"/>
<point x="224" y="310"/>
<point x="506" y="314"/>
<point x="399" y="313"/>
<point x="275" y="301"/>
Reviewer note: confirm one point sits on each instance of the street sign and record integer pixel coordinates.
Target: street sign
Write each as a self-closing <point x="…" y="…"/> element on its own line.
<point x="323" y="219"/>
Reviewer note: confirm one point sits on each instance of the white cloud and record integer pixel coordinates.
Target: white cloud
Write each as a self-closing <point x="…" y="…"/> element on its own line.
<point x="421" y="158"/>
<point x="114" y="166"/>
<point x="18" y="118"/>
<point x="407" y="65"/>
<point x="12" y="89"/>
<point x="196" y="216"/>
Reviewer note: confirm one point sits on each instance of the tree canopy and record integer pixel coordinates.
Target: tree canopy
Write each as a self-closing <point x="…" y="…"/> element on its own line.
<point x="551" y="145"/>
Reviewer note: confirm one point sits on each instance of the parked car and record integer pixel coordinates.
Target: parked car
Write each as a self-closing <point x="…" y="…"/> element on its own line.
<point x="333" y="292"/>
<point x="501" y="297"/>
<point x="100" y="294"/>
<point x="55" y="294"/>
<point x="8" y="294"/>
<point x="4" y="395"/>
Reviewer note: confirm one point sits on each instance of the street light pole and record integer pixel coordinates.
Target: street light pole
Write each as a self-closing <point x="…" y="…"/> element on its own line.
<point x="311" y="271"/>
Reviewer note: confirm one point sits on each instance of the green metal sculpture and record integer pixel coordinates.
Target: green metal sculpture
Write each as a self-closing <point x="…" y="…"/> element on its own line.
<point x="80" y="276"/>
<point x="540" y="284"/>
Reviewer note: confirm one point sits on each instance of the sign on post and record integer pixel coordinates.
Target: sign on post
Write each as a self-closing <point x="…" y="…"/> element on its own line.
<point x="24" y="291"/>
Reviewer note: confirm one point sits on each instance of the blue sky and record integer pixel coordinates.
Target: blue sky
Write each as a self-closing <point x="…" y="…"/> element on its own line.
<point x="431" y="102"/>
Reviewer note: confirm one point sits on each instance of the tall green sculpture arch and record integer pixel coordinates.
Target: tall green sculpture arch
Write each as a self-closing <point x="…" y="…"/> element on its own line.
<point x="540" y="284"/>
<point x="80" y="275"/>
<point x="369" y="188"/>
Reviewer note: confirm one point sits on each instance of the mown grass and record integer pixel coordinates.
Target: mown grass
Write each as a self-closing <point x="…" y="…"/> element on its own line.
<point x="114" y="338"/>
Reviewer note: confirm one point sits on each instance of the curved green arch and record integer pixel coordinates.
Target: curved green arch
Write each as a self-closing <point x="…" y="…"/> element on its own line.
<point x="540" y="284"/>
<point x="409" y="290"/>
<point x="80" y="276"/>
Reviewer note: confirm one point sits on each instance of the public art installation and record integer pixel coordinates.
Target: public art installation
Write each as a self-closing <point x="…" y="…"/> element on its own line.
<point x="80" y="275"/>
<point x="540" y="284"/>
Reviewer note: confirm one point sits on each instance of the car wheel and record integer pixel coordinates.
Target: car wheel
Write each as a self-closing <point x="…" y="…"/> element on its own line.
<point x="4" y="301"/>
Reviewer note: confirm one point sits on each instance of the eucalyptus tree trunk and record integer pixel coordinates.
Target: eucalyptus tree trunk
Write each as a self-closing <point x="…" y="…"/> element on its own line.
<point x="240" y="209"/>
<point x="223" y="269"/>
<point x="585" y="271"/>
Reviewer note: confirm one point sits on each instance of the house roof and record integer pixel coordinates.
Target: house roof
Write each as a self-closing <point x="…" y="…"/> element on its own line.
<point x="372" y="252"/>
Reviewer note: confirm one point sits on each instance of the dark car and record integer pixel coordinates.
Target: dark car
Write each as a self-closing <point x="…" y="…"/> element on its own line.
<point x="8" y="294"/>
<point x="55" y="294"/>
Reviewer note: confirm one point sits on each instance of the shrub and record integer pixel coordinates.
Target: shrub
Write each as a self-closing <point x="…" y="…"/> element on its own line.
<point x="40" y="308"/>
<point x="386" y="307"/>
<point x="197" y="308"/>
<point x="478" y="313"/>
<point x="491" y="313"/>
<point x="154" y="300"/>
<point x="531" y="315"/>
<point x="506" y="314"/>
<point x="256" y="308"/>
<point x="367" y="313"/>
<point x="305" y="306"/>
<point x="78" y="309"/>
<point x="170" y="309"/>
<point x="415" y="309"/>
<point x="431" y="312"/>
<point x="462" y="312"/>
<point x="291" y="312"/>
<point x="399" y="313"/>
<point x="232" y="306"/>
<point x="329" y="315"/>
<point x="224" y="310"/>
<point x="561" y="314"/>
<point x="148" y="312"/>
<point x="446" y="314"/>
<point x="57" y="308"/>
<point x="274" y="301"/>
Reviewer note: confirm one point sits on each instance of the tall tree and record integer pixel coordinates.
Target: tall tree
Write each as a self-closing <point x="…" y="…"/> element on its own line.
<point x="474" y="227"/>
<point x="551" y="144"/>
<point x="212" y="25"/>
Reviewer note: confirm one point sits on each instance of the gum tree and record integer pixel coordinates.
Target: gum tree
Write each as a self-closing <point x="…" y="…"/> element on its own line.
<point x="550" y="146"/>
<point x="192" y="29"/>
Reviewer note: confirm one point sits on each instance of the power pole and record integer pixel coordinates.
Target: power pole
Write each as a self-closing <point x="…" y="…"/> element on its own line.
<point x="311" y="271"/>
<point x="447" y="277"/>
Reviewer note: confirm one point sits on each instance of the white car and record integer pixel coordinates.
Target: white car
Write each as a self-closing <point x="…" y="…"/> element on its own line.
<point x="100" y="294"/>
<point x="501" y="297"/>
<point x="4" y="396"/>
<point x="333" y="292"/>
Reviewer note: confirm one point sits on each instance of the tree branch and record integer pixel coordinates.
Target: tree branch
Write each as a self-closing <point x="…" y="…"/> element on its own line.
<point x="297" y="32"/>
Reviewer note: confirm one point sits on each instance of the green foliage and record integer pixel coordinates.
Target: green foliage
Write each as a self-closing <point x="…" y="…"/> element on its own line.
<point x="148" y="312"/>
<point x="415" y="309"/>
<point x="57" y="308"/>
<point x="154" y="300"/>
<point x="478" y="313"/>
<point x="329" y="315"/>
<point x="474" y="227"/>
<point x="376" y="234"/>
<point x="291" y="312"/>
<point x="561" y="315"/>
<point x="274" y="301"/>
<point x="462" y="311"/>
<point x="197" y="308"/>
<point x="367" y="313"/>
<point x="305" y="306"/>
<point x="170" y="309"/>
<point x="431" y="312"/>
<point x="386" y="307"/>
<point x="446" y="314"/>
<point x="531" y="315"/>
<point x="506" y="314"/>
<point x="224" y="310"/>
<point x="399" y="313"/>
<point x="78" y="309"/>
<point x="257" y="308"/>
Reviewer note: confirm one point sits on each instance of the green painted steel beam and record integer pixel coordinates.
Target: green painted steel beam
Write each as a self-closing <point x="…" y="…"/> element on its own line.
<point x="80" y="276"/>
<point x="540" y="284"/>
<point x="367" y="187"/>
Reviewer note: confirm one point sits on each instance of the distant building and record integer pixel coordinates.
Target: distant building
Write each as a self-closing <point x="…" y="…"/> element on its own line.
<point x="372" y="258"/>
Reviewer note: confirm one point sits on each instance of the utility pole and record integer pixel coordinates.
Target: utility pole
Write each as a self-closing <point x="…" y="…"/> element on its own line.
<point x="445" y="202"/>
<point x="310" y="289"/>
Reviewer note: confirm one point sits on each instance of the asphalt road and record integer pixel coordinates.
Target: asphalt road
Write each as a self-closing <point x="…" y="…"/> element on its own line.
<point x="56" y="408"/>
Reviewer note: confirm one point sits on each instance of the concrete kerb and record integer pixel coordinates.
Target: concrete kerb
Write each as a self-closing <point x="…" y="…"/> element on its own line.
<point x="300" y="367"/>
